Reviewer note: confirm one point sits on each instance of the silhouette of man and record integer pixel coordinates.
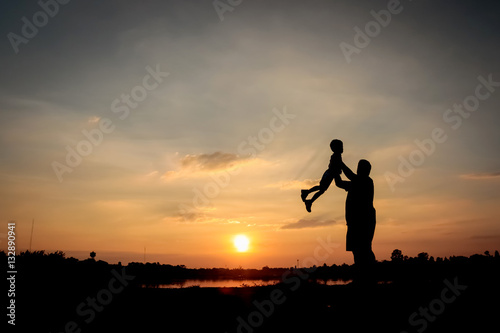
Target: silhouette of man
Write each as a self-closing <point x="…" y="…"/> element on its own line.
<point x="360" y="215"/>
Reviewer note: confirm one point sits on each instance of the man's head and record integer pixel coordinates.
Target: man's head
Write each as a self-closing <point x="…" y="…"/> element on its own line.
<point x="337" y="146"/>
<point x="364" y="168"/>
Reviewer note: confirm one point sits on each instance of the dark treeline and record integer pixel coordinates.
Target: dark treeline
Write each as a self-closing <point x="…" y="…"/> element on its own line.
<point x="39" y="266"/>
<point x="53" y="290"/>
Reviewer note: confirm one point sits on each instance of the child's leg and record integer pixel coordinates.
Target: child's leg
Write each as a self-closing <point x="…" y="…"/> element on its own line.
<point x="317" y="194"/>
<point x="305" y="193"/>
<point x="314" y="189"/>
<point x="325" y="182"/>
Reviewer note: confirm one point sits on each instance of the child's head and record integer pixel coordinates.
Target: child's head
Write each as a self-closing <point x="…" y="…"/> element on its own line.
<point x="337" y="146"/>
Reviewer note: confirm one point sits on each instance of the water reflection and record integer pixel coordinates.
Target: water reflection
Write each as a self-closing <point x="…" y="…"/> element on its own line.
<point x="232" y="283"/>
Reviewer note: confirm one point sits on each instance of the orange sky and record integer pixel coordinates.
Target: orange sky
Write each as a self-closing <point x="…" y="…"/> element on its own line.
<point x="175" y="131"/>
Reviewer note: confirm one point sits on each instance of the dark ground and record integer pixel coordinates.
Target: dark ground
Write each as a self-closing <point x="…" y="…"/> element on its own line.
<point x="54" y="294"/>
<point x="310" y="308"/>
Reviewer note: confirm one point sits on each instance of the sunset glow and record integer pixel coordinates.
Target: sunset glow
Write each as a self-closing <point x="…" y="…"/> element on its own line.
<point x="159" y="132"/>
<point x="241" y="242"/>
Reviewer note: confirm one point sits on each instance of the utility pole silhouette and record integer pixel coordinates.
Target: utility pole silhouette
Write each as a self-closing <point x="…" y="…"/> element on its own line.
<point x="31" y="237"/>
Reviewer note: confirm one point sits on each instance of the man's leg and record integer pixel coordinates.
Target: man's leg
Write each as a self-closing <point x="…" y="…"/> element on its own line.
<point x="357" y="257"/>
<point x="358" y="266"/>
<point x="368" y="266"/>
<point x="363" y="263"/>
<point x="371" y="257"/>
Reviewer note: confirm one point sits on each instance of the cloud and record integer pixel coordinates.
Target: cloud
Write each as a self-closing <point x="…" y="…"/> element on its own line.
<point x="485" y="237"/>
<point x="479" y="176"/>
<point x="295" y="184"/>
<point x="303" y="223"/>
<point x="94" y="120"/>
<point x="196" y="165"/>
<point x="187" y="213"/>
<point x="215" y="161"/>
<point x="201" y="215"/>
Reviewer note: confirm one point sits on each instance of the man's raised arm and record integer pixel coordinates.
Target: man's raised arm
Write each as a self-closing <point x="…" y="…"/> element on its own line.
<point x="346" y="185"/>
<point x="348" y="172"/>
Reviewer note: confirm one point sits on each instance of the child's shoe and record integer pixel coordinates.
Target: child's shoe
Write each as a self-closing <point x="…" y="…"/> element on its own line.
<point x="303" y="194"/>
<point x="308" y="205"/>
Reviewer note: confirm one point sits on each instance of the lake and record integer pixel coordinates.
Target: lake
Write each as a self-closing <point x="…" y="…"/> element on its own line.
<point x="232" y="283"/>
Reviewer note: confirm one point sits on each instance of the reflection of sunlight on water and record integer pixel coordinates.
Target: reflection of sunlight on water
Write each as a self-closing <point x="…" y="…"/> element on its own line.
<point x="232" y="283"/>
<point x="334" y="282"/>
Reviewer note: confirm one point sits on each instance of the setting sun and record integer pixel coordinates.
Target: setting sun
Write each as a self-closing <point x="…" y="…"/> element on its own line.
<point x="241" y="243"/>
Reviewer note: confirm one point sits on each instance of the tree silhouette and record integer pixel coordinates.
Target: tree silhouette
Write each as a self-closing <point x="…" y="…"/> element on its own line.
<point x="92" y="255"/>
<point x="423" y="256"/>
<point x="397" y="255"/>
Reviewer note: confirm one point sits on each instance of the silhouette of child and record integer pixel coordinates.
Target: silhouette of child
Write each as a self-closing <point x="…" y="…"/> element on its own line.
<point x="334" y="168"/>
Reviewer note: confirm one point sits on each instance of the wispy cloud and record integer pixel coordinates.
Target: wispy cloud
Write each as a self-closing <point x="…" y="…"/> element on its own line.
<point x="295" y="184"/>
<point x="480" y="176"/>
<point x="304" y="223"/>
<point x="198" y="215"/>
<point x="485" y="237"/>
<point x="196" y="165"/>
<point x="94" y="120"/>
